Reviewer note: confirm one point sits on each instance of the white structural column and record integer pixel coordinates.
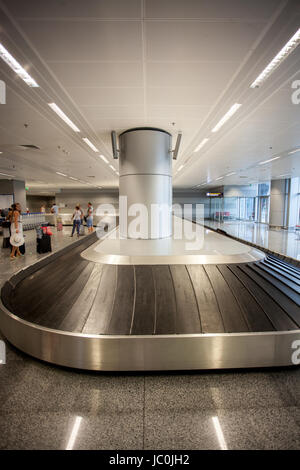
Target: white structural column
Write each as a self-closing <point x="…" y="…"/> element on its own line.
<point x="278" y="201"/>
<point x="145" y="183"/>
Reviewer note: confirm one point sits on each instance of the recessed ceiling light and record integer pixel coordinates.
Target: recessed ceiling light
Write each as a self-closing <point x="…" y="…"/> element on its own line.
<point x="60" y="174"/>
<point x="103" y="158"/>
<point x="278" y="59"/>
<point x="89" y="143"/>
<point x="227" y="116"/>
<point x="16" y="67"/>
<point x="267" y="161"/>
<point x="62" y="115"/>
<point x="290" y="153"/>
<point x="204" y="141"/>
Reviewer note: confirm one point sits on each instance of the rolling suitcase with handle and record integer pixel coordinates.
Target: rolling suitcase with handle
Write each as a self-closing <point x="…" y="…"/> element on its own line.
<point x="44" y="244"/>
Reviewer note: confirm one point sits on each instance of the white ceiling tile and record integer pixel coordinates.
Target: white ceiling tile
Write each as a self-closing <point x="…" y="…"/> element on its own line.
<point x="206" y="9"/>
<point x="189" y="74"/>
<point x="173" y="96"/>
<point x="105" y="74"/>
<point x="85" y="41"/>
<point x="102" y="112"/>
<point x="107" y="96"/>
<point x="197" y="41"/>
<point x="75" y="8"/>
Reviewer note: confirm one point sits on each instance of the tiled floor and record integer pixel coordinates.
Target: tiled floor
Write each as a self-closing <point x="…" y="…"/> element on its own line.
<point x="285" y="242"/>
<point x="40" y="404"/>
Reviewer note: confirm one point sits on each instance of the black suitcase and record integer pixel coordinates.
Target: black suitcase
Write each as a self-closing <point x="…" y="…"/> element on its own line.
<point x="6" y="243"/>
<point x="44" y="244"/>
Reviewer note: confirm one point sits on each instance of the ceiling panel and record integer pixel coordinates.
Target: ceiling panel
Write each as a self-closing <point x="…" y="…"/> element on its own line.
<point x="207" y="9"/>
<point x="190" y="74"/>
<point x="75" y="8"/>
<point x="103" y="74"/>
<point x="198" y="41"/>
<point x="107" y="96"/>
<point x="92" y="41"/>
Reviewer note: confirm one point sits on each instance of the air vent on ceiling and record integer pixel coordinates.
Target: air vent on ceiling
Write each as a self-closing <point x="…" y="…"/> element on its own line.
<point x="91" y="176"/>
<point x="29" y="146"/>
<point x="243" y="176"/>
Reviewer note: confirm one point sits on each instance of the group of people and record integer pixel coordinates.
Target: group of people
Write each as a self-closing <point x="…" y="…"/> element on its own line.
<point x="13" y="218"/>
<point x="14" y="221"/>
<point x="78" y="217"/>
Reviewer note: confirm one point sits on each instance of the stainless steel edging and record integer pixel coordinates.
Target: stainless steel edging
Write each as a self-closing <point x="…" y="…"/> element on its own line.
<point x="146" y="353"/>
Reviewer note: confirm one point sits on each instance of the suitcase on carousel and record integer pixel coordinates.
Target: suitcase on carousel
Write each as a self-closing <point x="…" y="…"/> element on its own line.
<point x="44" y="244"/>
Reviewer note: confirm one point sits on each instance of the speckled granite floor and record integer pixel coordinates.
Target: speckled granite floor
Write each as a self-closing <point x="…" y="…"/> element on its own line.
<point x="41" y="406"/>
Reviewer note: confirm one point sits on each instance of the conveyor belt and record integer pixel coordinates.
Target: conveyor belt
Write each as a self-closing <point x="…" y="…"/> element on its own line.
<point x="71" y="311"/>
<point x="76" y="295"/>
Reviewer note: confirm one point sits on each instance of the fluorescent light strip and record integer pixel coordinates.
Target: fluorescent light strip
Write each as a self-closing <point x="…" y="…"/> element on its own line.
<point x="5" y="174"/>
<point x="204" y="141"/>
<point x="117" y="173"/>
<point x="72" y="178"/>
<point x="89" y="143"/>
<point x="278" y="59"/>
<point x="231" y="174"/>
<point x="220" y="178"/>
<point x="74" y="433"/>
<point x="267" y="161"/>
<point x="112" y="167"/>
<point x="16" y="67"/>
<point x="227" y="116"/>
<point x="180" y="168"/>
<point x="103" y="158"/>
<point x="62" y="115"/>
<point x="219" y="433"/>
<point x="61" y="174"/>
<point x="290" y="153"/>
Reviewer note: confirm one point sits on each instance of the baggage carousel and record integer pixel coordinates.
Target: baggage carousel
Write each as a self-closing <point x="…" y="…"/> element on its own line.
<point x="85" y="308"/>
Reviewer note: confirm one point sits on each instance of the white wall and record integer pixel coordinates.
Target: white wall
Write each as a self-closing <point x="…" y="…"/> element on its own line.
<point x="71" y="199"/>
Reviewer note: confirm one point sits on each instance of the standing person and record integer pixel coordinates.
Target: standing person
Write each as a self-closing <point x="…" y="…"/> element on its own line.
<point x="89" y="217"/>
<point x="43" y="209"/>
<point x="16" y="238"/>
<point x="77" y="217"/>
<point x="54" y="210"/>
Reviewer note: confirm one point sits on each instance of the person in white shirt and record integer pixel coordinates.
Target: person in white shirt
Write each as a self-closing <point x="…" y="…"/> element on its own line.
<point x="54" y="209"/>
<point x="77" y="217"/>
